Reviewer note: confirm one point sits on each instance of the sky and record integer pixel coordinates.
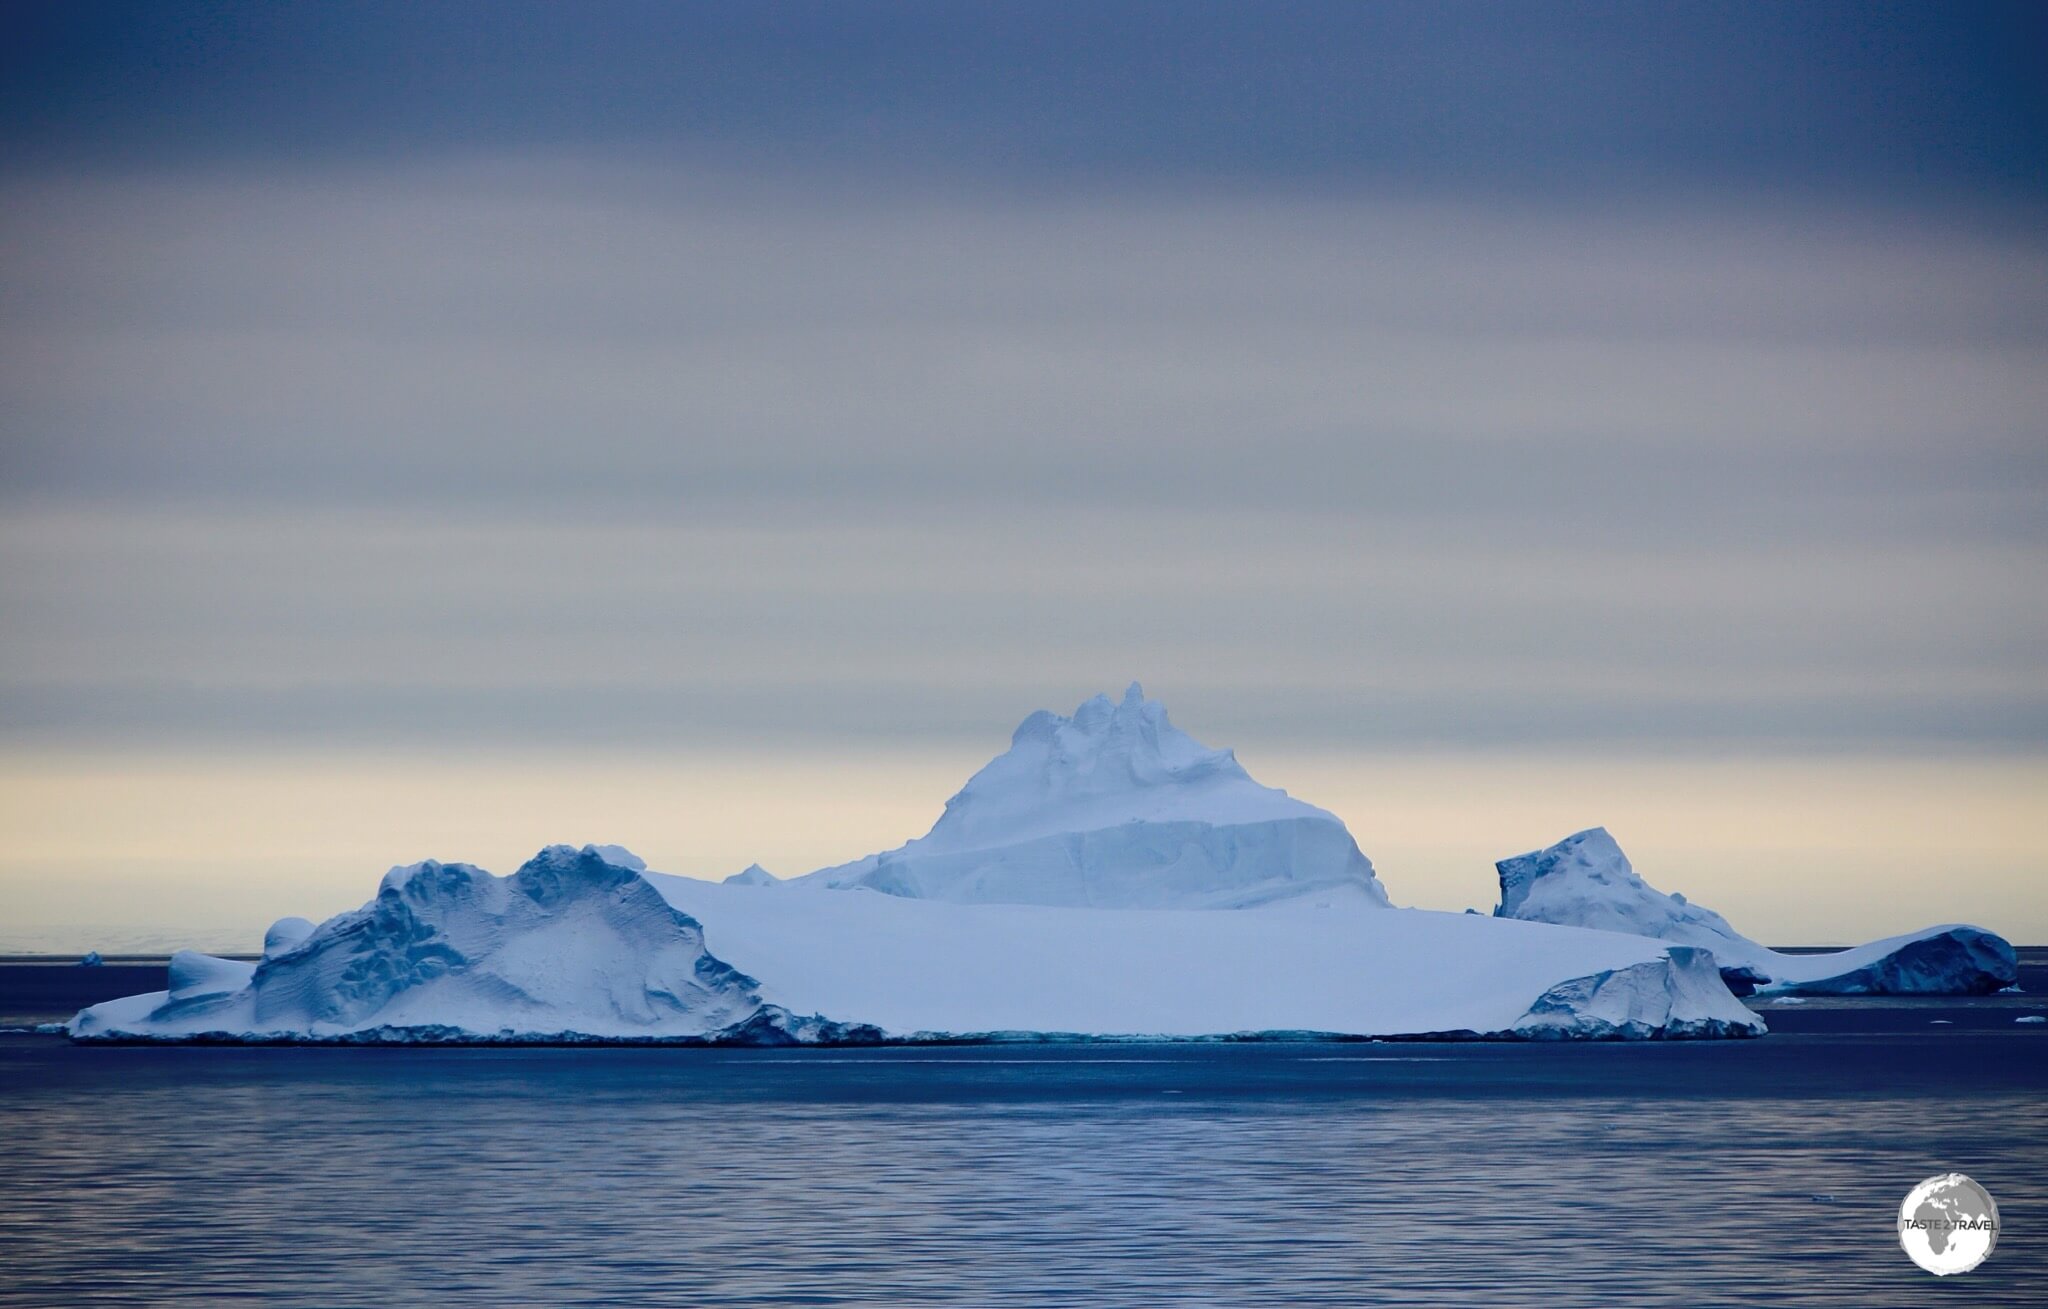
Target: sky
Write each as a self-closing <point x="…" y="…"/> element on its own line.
<point x="435" y="430"/>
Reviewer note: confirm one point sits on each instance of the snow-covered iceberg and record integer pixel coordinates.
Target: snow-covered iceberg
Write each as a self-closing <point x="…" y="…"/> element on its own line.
<point x="1586" y="881"/>
<point x="1107" y="877"/>
<point x="572" y="947"/>
<point x="575" y="948"/>
<point x="1116" y="808"/>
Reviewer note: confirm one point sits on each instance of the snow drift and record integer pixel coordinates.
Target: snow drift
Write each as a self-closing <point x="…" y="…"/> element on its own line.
<point x="1586" y="881"/>
<point x="1116" y="807"/>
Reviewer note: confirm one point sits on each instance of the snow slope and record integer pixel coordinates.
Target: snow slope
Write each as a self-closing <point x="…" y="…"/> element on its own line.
<point x="573" y="946"/>
<point x="1586" y="881"/>
<point x="1116" y="807"/>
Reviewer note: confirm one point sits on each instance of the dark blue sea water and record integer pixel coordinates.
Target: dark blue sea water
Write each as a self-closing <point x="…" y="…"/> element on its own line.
<point x="1755" y="1173"/>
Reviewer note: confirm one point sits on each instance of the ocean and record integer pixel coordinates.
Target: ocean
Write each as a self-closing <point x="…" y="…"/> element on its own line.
<point x="1763" y="1172"/>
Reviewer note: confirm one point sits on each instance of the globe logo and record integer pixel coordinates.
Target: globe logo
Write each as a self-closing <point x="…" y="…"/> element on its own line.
<point x="1948" y="1224"/>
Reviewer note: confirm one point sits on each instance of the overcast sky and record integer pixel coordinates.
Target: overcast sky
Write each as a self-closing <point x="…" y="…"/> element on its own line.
<point x="1559" y="379"/>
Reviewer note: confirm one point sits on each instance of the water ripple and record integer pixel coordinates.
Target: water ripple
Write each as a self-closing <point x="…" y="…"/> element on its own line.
<point x="1517" y="1176"/>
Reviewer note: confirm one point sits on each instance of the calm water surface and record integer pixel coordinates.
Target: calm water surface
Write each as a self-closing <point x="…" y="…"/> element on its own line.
<point x="1758" y="1173"/>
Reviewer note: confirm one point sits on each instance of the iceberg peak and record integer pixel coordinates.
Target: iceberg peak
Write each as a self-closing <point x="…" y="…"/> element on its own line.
<point x="1592" y="857"/>
<point x="1586" y="881"/>
<point x="1112" y="752"/>
<point x="753" y="875"/>
<point x="1116" y="806"/>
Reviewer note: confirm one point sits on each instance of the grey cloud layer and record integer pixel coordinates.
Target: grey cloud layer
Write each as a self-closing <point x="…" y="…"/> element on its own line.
<point x="525" y="449"/>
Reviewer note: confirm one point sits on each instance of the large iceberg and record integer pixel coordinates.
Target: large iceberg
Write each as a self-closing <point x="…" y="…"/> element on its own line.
<point x="1586" y="881"/>
<point x="1107" y="877"/>
<point x="1116" y="808"/>
<point x="574" y="948"/>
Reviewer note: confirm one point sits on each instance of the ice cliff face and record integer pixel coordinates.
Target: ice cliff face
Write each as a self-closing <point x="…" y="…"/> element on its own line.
<point x="1116" y="807"/>
<point x="573" y="946"/>
<point x="1586" y="881"/>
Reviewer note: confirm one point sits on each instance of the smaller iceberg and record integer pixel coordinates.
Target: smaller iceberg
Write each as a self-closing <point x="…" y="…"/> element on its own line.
<point x="1586" y="881"/>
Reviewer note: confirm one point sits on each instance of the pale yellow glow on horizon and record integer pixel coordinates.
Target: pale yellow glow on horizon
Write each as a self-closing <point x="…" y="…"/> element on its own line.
<point x="123" y="846"/>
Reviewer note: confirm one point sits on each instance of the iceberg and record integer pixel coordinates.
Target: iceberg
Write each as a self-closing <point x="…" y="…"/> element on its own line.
<point x="1105" y="878"/>
<point x="573" y="948"/>
<point x="1586" y="881"/>
<point x="1116" y="808"/>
